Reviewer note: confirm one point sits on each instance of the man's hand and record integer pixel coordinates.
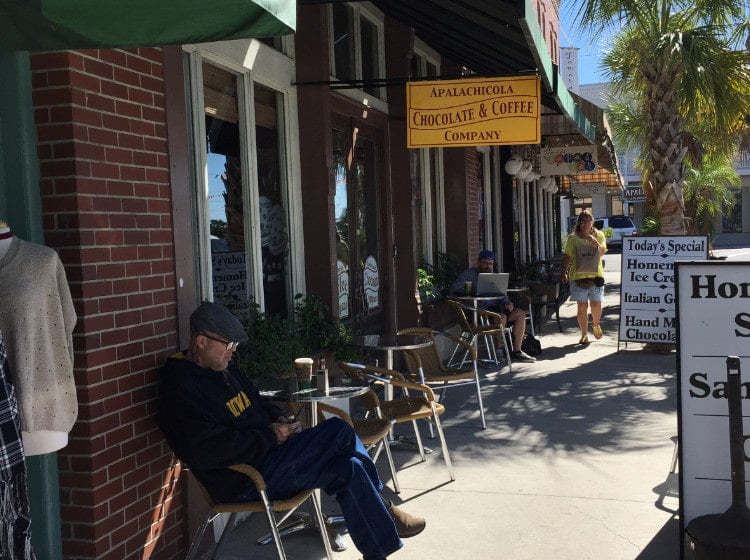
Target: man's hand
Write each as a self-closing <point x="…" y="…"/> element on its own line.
<point x="285" y="430"/>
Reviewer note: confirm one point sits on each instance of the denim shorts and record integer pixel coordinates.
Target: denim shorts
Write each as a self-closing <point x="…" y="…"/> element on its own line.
<point x="594" y="293"/>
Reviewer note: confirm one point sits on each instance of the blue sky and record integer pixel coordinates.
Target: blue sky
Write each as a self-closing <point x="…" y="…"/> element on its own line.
<point x="589" y="55"/>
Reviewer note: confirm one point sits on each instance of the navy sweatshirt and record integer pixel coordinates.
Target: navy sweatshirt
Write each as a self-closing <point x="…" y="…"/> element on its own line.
<point x="212" y="420"/>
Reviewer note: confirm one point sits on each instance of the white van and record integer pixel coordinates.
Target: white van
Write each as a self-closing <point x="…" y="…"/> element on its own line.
<point x="621" y="225"/>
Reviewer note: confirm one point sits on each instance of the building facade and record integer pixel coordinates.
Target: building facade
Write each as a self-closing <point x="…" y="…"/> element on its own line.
<point x="252" y="171"/>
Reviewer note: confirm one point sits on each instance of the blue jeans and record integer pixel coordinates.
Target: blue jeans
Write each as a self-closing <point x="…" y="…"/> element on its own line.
<point x="331" y="457"/>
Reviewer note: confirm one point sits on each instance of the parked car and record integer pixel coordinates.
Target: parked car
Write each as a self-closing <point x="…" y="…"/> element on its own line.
<point x="621" y="225"/>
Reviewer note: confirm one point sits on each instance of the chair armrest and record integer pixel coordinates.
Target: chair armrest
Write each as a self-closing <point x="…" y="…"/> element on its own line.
<point x="348" y="366"/>
<point x="252" y="473"/>
<point x="330" y="409"/>
<point x="416" y="386"/>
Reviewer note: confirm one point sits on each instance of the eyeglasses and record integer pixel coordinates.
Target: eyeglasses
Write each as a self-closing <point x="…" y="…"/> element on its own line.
<point x="230" y="345"/>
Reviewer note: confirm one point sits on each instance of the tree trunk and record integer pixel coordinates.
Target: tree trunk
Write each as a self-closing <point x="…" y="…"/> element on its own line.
<point x="666" y="147"/>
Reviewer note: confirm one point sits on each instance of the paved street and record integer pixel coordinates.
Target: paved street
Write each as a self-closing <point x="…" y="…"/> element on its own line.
<point x="574" y="463"/>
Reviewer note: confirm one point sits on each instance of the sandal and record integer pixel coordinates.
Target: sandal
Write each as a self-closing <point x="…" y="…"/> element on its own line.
<point x="597" y="331"/>
<point x="584" y="339"/>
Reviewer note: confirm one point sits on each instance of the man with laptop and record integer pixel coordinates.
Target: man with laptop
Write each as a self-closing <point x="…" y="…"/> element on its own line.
<point x="485" y="282"/>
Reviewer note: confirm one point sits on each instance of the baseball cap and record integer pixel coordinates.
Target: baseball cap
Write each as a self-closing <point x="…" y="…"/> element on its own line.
<point x="214" y="318"/>
<point x="486" y="254"/>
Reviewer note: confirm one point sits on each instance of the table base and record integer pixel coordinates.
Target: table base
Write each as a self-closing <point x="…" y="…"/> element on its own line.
<point x="407" y="443"/>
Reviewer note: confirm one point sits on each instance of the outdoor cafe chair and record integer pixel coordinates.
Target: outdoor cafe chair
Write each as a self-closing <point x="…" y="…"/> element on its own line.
<point x="406" y="408"/>
<point x="488" y="326"/>
<point x="278" y="527"/>
<point x="372" y="432"/>
<point x="426" y="366"/>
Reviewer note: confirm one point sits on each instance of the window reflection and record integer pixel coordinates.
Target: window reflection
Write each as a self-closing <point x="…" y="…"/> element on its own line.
<point x="225" y="195"/>
<point x="273" y="221"/>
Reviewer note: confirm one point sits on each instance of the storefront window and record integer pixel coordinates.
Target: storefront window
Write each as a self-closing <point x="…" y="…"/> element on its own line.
<point x="225" y="175"/>
<point x="246" y="214"/>
<point x="273" y="222"/>
<point x="356" y="44"/>
<point x="357" y="231"/>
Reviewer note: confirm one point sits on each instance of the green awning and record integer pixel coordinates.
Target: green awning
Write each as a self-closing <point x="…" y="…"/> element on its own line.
<point x="44" y="25"/>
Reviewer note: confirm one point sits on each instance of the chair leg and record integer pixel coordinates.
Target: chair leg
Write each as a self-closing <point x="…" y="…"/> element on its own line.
<point x="199" y="534"/>
<point x="443" y="443"/>
<point x="451" y="363"/>
<point x="419" y="440"/>
<point x="479" y="396"/>
<point x="321" y="523"/>
<point x="384" y="445"/>
<point x="272" y="522"/>
<point x="506" y="333"/>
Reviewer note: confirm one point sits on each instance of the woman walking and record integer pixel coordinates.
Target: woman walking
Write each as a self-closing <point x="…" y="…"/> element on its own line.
<point x="584" y="269"/>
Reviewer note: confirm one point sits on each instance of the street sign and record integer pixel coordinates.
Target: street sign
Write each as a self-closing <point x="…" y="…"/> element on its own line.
<point x="633" y="194"/>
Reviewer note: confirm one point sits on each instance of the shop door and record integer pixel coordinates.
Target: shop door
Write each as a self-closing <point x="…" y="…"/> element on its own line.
<point x="359" y="224"/>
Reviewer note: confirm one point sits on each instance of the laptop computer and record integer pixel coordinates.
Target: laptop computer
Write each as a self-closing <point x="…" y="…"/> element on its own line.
<point x="492" y="283"/>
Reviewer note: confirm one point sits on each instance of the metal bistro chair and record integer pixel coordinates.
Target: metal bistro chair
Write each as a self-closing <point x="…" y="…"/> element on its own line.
<point x="288" y="505"/>
<point x="372" y="432"/>
<point x="408" y="408"/>
<point x="489" y="325"/>
<point x="426" y="366"/>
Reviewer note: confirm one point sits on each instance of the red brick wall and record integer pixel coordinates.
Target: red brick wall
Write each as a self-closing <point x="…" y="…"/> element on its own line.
<point x="106" y="208"/>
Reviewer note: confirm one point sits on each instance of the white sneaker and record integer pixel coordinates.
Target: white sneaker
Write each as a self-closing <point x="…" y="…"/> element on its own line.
<point x="521" y="356"/>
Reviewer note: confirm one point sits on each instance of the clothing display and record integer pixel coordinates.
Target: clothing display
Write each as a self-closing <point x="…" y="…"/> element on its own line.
<point x="15" y="511"/>
<point x="38" y="317"/>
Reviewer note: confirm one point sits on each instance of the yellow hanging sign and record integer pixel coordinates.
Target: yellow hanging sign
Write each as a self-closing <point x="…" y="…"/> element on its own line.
<point x="473" y="112"/>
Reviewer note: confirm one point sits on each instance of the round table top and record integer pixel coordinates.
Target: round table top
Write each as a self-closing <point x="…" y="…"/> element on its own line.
<point x="391" y="342"/>
<point x="480" y="298"/>
<point x="314" y="395"/>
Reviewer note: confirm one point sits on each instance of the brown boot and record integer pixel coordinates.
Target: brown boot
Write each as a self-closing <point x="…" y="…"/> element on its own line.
<point x="407" y="525"/>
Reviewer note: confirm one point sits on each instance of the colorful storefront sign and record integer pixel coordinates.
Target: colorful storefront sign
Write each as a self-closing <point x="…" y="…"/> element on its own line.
<point x="569" y="160"/>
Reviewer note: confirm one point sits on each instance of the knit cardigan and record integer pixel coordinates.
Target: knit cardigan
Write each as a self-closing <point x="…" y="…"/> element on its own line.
<point x="37" y="319"/>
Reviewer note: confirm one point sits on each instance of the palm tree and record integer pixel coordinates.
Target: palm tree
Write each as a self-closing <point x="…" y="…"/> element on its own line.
<point x="707" y="193"/>
<point x="682" y="82"/>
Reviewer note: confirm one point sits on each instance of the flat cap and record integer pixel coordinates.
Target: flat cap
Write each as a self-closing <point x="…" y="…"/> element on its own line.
<point x="214" y="318"/>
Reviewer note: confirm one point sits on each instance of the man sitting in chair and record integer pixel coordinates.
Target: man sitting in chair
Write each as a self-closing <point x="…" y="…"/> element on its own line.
<point x="504" y="306"/>
<point x="212" y="416"/>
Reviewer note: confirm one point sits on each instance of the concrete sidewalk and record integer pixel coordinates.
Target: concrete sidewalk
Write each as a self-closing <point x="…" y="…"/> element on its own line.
<point x="574" y="463"/>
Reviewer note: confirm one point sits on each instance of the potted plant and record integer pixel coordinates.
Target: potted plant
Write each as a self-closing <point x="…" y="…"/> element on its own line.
<point x="276" y="341"/>
<point x="433" y="285"/>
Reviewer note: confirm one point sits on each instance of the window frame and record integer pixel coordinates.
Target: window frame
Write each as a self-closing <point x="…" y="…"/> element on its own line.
<point x="431" y="172"/>
<point x="252" y="62"/>
<point x="374" y="16"/>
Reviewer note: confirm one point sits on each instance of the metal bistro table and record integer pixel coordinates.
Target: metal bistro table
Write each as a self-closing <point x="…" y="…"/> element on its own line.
<point x="389" y="344"/>
<point x="311" y="397"/>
